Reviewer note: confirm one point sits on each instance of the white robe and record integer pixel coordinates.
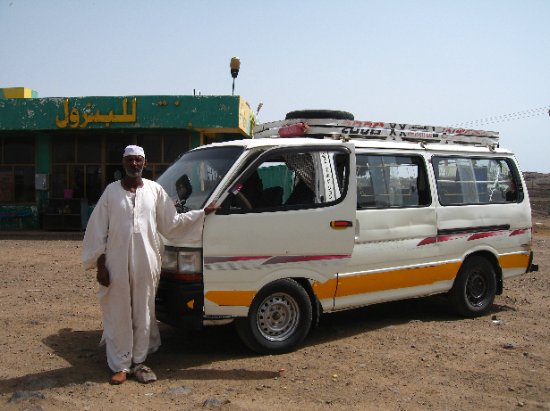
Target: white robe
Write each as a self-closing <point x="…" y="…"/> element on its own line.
<point x="128" y="235"/>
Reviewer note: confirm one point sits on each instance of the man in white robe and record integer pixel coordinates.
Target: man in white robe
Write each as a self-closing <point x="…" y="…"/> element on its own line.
<point x="122" y="241"/>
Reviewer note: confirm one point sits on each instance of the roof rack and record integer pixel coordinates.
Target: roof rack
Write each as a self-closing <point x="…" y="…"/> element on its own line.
<point x="374" y="130"/>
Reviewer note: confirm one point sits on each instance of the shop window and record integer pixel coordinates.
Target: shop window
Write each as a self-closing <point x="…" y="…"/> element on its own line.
<point x="24" y="184"/>
<point x="76" y="181"/>
<point x="59" y="180"/>
<point x="17" y="184"/>
<point x="159" y="169"/>
<point x="63" y="149"/>
<point x="7" y="185"/>
<point x="152" y="146"/>
<point x="174" y="146"/>
<point x="148" y="173"/>
<point x="114" y="146"/>
<point x="17" y="170"/>
<point x="19" y="150"/>
<point x="77" y="170"/>
<point x="93" y="183"/>
<point x="88" y="149"/>
<point x="114" y="172"/>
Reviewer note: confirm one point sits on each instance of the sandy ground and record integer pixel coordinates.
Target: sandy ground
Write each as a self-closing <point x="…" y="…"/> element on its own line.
<point x="410" y="355"/>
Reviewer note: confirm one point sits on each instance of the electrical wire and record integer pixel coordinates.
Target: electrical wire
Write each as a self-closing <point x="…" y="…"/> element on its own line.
<point x="534" y="112"/>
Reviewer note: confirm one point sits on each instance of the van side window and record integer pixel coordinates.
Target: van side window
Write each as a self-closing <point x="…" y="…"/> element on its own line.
<point x="462" y="180"/>
<point x="385" y="181"/>
<point x="291" y="179"/>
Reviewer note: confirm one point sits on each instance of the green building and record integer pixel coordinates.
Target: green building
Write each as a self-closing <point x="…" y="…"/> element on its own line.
<point x="57" y="154"/>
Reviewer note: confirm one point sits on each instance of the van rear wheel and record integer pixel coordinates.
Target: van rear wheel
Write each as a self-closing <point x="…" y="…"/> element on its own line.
<point x="475" y="286"/>
<point x="279" y="318"/>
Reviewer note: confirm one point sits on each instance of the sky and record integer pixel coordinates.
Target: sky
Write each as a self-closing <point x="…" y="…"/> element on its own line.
<point x="431" y="62"/>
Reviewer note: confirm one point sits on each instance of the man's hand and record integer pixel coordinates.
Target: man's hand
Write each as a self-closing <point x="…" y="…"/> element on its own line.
<point x="211" y="208"/>
<point x="102" y="272"/>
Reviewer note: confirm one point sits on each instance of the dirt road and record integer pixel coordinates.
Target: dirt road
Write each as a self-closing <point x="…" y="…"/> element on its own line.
<point x="410" y="355"/>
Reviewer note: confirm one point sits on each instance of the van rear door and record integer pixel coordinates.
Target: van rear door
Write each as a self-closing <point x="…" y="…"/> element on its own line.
<point x="290" y="214"/>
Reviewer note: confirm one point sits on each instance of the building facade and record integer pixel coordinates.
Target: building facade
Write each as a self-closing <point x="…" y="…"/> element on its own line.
<point x="57" y="154"/>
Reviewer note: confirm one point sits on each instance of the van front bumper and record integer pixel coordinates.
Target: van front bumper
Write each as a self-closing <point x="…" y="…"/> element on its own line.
<point x="180" y="304"/>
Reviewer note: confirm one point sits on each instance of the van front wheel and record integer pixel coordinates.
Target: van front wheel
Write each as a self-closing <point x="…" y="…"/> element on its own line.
<point x="279" y="318"/>
<point x="475" y="286"/>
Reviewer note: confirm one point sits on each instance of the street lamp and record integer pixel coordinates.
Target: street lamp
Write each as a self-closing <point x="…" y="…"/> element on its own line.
<point x="235" y="65"/>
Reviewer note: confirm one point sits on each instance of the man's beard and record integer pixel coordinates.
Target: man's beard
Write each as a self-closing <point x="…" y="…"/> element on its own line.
<point x="134" y="173"/>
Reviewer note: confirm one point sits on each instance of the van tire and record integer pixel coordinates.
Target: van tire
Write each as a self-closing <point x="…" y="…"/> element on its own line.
<point x="279" y="318"/>
<point x="331" y="114"/>
<point x="475" y="287"/>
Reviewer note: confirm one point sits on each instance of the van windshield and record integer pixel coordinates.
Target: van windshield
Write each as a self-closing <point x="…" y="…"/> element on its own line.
<point x="192" y="178"/>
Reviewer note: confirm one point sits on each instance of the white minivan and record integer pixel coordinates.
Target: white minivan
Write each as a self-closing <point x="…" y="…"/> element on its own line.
<point x="321" y="213"/>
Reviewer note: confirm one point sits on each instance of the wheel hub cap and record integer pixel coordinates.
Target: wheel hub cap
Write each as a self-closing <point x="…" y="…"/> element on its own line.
<point x="278" y="317"/>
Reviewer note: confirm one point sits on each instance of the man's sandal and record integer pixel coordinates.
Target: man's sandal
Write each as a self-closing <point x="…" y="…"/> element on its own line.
<point x="118" y="378"/>
<point x="143" y="374"/>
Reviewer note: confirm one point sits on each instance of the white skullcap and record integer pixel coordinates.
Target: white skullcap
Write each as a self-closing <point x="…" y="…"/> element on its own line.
<point x="133" y="151"/>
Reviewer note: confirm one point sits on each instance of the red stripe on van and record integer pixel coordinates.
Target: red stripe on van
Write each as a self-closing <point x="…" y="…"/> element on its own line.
<point x="478" y="236"/>
<point x="519" y="232"/>
<point x="213" y="260"/>
<point x="438" y="239"/>
<point x="427" y="241"/>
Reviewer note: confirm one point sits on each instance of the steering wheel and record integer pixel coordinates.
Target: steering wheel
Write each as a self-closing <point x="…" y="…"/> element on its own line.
<point x="241" y="198"/>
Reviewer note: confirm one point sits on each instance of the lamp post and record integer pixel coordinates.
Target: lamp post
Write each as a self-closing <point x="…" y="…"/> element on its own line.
<point x="235" y="65"/>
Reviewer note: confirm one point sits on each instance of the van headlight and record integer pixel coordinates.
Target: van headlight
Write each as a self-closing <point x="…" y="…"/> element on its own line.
<point x="181" y="261"/>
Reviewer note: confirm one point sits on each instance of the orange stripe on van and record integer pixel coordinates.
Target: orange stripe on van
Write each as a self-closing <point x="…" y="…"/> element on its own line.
<point x="231" y="298"/>
<point x="514" y="260"/>
<point x="390" y="280"/>
<point x="324" y="290"/>
<point x="368" y="283"/>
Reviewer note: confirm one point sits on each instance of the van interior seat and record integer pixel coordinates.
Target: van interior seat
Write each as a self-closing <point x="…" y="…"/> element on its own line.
<point x="301" y="194"/>
<point x="272" y="197"/>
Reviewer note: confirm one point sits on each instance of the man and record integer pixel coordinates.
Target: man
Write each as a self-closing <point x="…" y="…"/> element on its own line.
<point x="122" y="242"/>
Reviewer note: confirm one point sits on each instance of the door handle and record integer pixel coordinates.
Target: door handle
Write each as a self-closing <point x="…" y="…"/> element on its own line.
<point x="340" y="224"/>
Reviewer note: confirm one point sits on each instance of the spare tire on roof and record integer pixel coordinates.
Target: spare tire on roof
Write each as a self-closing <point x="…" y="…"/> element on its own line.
<point x="334" y="114"/>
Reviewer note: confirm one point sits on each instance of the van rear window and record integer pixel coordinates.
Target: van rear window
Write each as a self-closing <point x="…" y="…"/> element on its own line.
<point x="462" y="180"/>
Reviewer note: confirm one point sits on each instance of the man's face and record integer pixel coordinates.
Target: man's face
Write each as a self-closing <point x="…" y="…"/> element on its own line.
<point x="133" y="165"/>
